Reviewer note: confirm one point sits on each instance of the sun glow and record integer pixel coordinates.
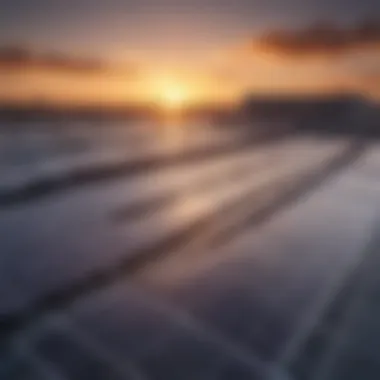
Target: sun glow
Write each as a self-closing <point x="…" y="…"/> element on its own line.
<point x="171" y="95"/>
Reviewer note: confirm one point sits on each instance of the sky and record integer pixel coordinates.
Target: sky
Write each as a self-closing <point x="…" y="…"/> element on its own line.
<point x="203" y="50"/>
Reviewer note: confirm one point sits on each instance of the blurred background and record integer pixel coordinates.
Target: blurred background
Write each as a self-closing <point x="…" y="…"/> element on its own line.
<point x="189" y="190"/>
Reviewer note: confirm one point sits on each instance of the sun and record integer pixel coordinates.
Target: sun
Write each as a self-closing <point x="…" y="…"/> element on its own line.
<point x="171" y="95"/>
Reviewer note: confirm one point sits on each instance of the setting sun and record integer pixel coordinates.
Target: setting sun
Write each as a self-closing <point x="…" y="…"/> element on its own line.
<point x="171" y="94"/>
<point x="173" y="97"/>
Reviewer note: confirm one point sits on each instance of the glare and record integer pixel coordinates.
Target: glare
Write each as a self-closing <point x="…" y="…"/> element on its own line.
<point x="173" y="97"/>
<point x="170" y="94"/>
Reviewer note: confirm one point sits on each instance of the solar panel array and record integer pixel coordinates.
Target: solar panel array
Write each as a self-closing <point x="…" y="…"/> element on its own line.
<point x="194" y="253"/>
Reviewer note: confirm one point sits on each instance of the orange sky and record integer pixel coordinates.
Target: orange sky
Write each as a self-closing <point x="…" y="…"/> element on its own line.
<point x="314" y="59"/>
<point x="227" y="80"/>
<point x="201" y="50"/>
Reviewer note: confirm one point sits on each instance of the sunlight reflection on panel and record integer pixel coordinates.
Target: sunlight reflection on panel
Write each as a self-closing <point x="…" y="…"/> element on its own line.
<point x="172" y="134"/>
<point x="188" y="207"/>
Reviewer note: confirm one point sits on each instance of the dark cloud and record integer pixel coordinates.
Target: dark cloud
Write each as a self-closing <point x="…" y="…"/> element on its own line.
<point x="323" y="40"/>
<point x="22" y="58"/>
<point x="370" y="81"/>
<point x="19" y="59"/>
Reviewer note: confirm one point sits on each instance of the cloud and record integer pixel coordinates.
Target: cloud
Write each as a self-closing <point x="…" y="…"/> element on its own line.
<point x="369" y="82"/>
<point x="20" y="59"/>
<point x="326" y="40"/>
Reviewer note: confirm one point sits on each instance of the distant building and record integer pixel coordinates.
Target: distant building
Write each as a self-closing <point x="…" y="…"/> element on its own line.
<point x="330" y="113"/>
